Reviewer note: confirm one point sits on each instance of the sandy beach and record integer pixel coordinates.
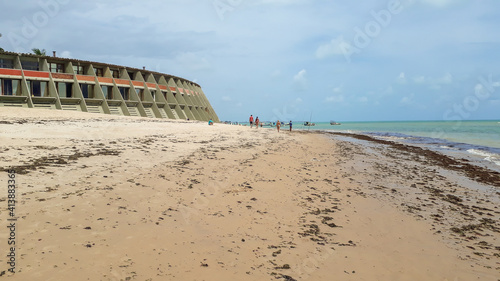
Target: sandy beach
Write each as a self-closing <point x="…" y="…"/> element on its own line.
<point x="102" y="197"/>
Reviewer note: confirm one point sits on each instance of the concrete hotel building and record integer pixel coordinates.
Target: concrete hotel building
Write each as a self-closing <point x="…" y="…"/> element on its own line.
<point x="33" y="81"/>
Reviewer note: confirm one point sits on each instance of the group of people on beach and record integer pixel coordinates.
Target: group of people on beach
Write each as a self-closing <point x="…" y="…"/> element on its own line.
<point x="257" y="123"/>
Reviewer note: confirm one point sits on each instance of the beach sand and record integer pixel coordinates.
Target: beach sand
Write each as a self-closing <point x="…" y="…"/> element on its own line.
<point x="118" y="198"/>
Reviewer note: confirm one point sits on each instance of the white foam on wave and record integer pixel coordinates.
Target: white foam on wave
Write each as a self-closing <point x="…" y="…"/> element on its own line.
<point x="391" y="138"/>
<point x="448" y="147"/>
<point x="488" y="156"/>
<point x="480" y="152"/>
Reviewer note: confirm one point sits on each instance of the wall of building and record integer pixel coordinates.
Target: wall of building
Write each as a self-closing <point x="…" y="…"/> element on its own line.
<point x="56" y="83"/>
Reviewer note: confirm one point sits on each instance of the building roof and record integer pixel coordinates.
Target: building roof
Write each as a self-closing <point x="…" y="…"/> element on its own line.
<point x="52" y="58"/>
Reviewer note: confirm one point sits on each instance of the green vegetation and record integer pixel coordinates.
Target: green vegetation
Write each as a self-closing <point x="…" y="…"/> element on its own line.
<point x="39" y="52"/>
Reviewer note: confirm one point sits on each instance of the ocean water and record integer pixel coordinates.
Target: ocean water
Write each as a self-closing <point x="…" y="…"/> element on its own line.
<point x="478" y="141"/>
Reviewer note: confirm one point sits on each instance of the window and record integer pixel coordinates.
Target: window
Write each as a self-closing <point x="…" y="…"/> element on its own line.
<point x="140" y="93"/>
<point x="6" y="63"/>
<point x="87" y="91"/>
<point x="9" y="87"/>
<point x="30" y="65"/>
<point x="37" y="88"/>
<point x="153" y="93"/>
<point x="78" y="69"/>
<point x="164" y="94"/>
<point x="125" y="92"/>
<point x="131" y="75"/>
<point x="115" y="73"/>
<point x="108" y="92"/>
<point x="99" y="72"/>
<point x="65" y="89"/>
<point x="56" y="67"/>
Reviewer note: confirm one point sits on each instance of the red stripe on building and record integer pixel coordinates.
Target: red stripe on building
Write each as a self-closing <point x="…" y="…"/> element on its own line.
<point x="105" y="80"/>
<point x="7" y="71"/>
<point x="83" y="78"/>
<point x="162" y="87"/>
<point x="36" y="74"/>
<point x="151" y="85"/>
<point x="181" y="90"/>
<point x="138" y="83"/>
<point x="62" y="76"/>
<point x="122" y="82"/>
<point x="173" y="89"/>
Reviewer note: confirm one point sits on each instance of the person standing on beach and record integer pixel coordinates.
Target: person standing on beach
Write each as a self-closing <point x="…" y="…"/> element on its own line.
<point x="278" y="125"/>
<point x="251" y="121"/>
<point x="257" y="122"/>
<point x="290" y="125"/>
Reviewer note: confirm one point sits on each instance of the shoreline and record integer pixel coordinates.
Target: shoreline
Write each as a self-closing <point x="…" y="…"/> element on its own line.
<point x="487" y="157"/>
<point x="480" y="174"/>
<point x="149" y="200"/>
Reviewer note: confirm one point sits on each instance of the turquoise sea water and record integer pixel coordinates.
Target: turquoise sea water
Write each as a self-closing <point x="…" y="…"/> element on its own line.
<point x="482" y="133"/>
<point x="476" y="140"/>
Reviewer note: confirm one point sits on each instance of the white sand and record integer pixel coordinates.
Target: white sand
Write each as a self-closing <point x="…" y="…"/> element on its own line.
<point x="120" y="198"/>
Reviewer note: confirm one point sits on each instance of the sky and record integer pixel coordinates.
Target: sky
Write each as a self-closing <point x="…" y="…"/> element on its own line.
<point x="370" y="60"/>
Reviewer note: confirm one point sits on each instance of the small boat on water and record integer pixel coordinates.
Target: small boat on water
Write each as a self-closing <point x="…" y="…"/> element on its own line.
<point x="309" y="124"/>
<point x="334" y="123"/>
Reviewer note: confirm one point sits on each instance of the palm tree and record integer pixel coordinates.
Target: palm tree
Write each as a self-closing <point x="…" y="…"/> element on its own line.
<point x="39" y="52"/>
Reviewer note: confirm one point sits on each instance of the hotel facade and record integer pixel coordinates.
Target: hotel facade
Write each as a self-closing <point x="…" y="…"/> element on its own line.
<point x="47" y="82"/>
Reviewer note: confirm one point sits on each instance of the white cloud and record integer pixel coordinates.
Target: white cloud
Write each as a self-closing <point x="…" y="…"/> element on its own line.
<point x="338" y="97"/>
<point x="402" y="78"/>
<point x="335" y="47"/>
<point x="435" y="87"/>
<point x="300" y="79"/>
<point x="277" y="2"/>
<point x="65" y="54"/>
<point x="301" y="76"/>
<point x="192" y="61"/>
<point x="250" y="49"/>
<point x="419" y="79"/>
<point x="407" y="100"/>
<point x="438" y="3"/>
<point x="362" y="99"/>
<point x="446" y="79"/>
<point x="478" y="88"/>
<point x="335" y="99"/>
<point x="411" y="102"/>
